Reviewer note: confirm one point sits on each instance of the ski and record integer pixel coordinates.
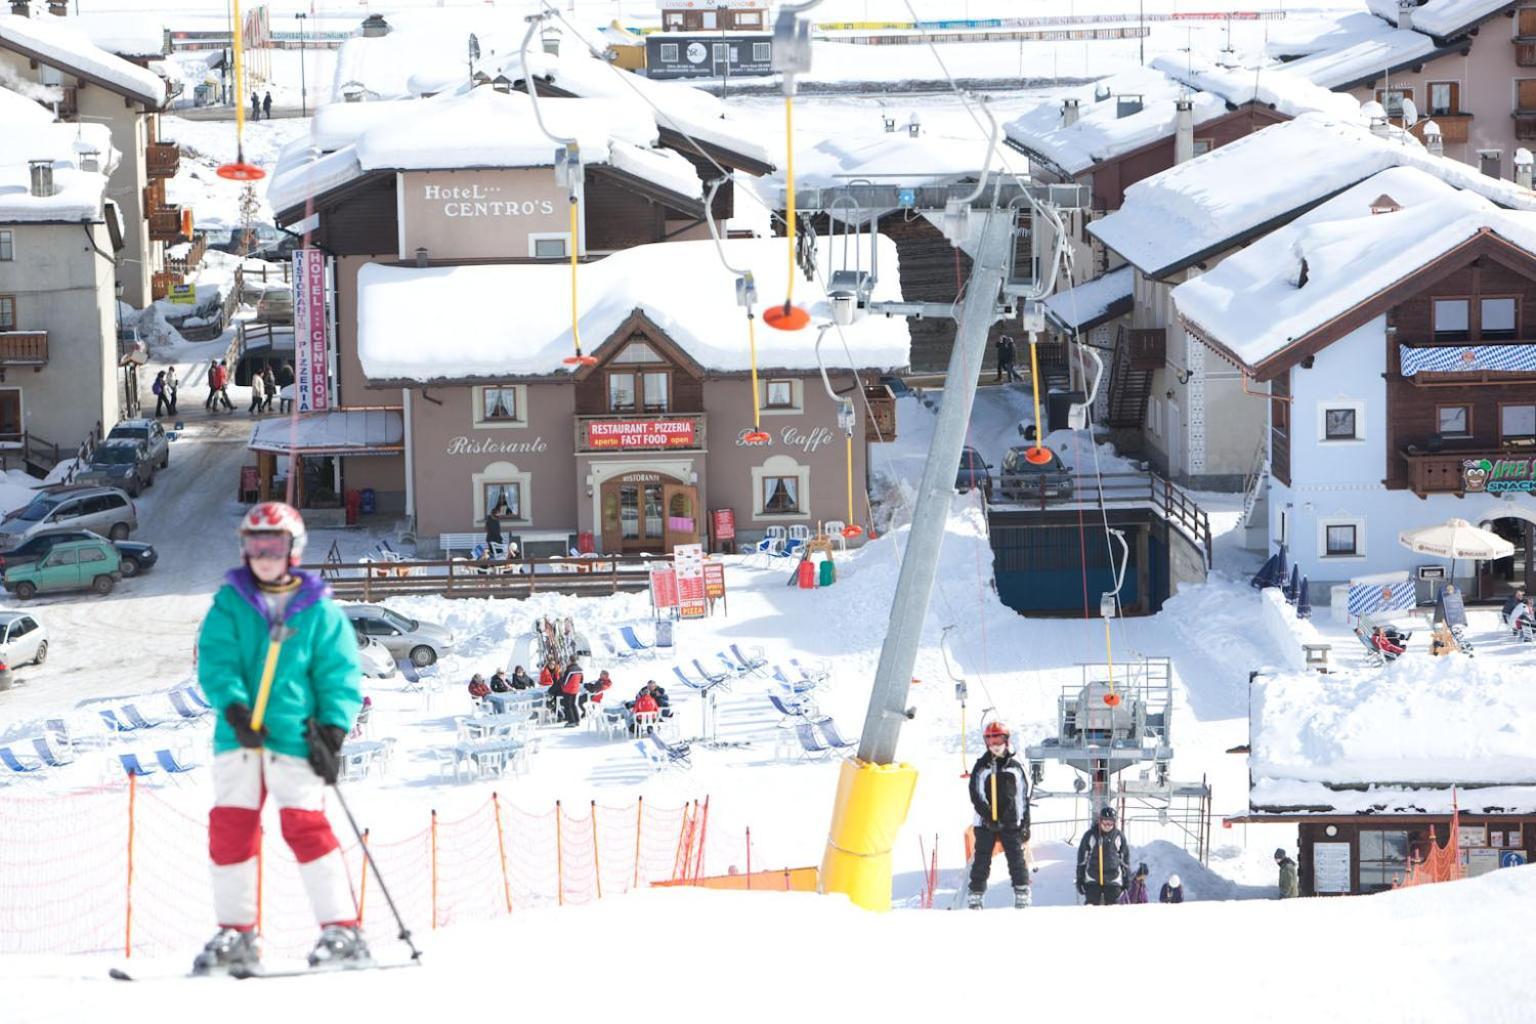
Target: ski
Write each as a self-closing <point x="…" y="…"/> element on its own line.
<point x="300" y="972"/>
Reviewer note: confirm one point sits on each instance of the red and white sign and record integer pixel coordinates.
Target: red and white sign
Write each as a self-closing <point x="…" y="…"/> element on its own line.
<point x="626" y="435"/>
<point x="663" y="587"/>
<point x="725" y="523"/>
<point x="688" y="560"/>
<point x="311" y="382"/>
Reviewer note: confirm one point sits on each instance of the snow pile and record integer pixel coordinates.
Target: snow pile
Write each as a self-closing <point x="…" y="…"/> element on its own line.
<point x="1440" y="17"/>
<point x="140" y="34"/>
<point x="1443" y="720"/>
<point x="1336" y="256"/>
<point x="1207" y="204"/>
<point x="681" y="286"/>
<point x="77" y="194"/>
<point x="15" y="107"/>
<point x="17" y="489"/>
<point x="58" y="43"/>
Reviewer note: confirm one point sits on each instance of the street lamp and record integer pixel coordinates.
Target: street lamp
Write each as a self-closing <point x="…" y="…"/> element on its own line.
<point x="303" y="86"/>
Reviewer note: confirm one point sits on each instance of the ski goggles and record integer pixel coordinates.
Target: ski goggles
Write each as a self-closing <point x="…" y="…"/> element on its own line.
<point x="266" y="545"/>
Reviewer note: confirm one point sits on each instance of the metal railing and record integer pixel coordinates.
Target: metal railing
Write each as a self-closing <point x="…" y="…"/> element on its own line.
<point x="1144" y="490"/>
<point x="461" y="577"/>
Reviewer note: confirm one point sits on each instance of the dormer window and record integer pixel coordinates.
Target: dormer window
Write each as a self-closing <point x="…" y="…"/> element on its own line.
<point x="639" y="380"/>
<point x="1451" y="323"/>
<point x="1498" y="319"/>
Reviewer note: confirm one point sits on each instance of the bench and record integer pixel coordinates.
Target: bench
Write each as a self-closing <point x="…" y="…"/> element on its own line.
<point x="1317" y="656"/>
<point x="466" y="542"/>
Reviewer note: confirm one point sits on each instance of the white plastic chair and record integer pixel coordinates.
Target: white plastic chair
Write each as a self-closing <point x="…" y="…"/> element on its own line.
<point x="832" y="529"/>
<point x="646" y="722"/>
<point x="800" y="532"/>
<point x="776" y="533"/>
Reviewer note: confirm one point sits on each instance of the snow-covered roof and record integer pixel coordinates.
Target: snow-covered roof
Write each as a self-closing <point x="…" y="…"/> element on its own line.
<point x="345" y="431"/>
<point x="339" y="124"/>
<point x="1300" y="35"/>
<point x="303" y="173"/>
<point x="1205" y="205"/>
<point x="140" y="34"/>
<point x="1411" y="725"/>
<point x="1093" y="302"/>
<point x="1277" y="87"/>
<point x="888" y="158"/>
<point x="1442" y="18"/>
<point x="16" y="108"/>
<point x="55" y="42"/>
<point x="77" y="194"/>
<point x="681" y="286"/>
<point x="428" y="45"/>
<point x="1369" y="54"/>
<point x="1252" y="303"/>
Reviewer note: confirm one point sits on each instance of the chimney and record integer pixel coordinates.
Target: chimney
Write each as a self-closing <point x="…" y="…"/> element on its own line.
<point x="1405" y="13"/>
<point x="375" y="26"/>
<point x="42" y="178"/>
<point x="421" y="255"/>
<point x="1433" y="140"/>
<point x="1126" y="105"/>
<point x="501" y="83"/>
<point x="90" y="159"/>
<point x="1489" y="161"/>
<point x="1384" y="204"/>
<point x="1523" y="162"/>
<point x="549" y="39"/>
<point x="21" y="8"/>
<point x="1069" y="112"/>
<point x="59" y="7"/>
<point x="1183" y="130"/>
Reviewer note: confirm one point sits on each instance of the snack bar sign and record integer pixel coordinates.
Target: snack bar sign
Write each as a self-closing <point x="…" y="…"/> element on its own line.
<point x="311" y="383"/>
<point x="1499" y="476"/>
<point x="635" y="435"/>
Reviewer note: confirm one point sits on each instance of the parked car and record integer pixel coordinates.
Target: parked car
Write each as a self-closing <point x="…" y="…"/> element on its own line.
<point x="974" y="471"/>
<point x="375" y="658"/>
<point x="135" y="556"/>
<point x="153" y="436"/>
<point x="104" y="510"/>
<point x="266" y="241"/>
<point x="1022" y="480"/>
<point x="75" y="565"/>
<point x="422" y="642"/>
<point x="123" y="463"/>
<point x="23" y="640"/>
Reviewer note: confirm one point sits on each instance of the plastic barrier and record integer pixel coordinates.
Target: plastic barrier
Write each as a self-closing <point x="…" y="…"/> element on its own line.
<point x="872" y="802"/>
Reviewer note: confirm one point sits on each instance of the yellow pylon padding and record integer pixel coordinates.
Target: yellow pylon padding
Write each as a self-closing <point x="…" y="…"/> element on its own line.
<point x="872" y="803"/>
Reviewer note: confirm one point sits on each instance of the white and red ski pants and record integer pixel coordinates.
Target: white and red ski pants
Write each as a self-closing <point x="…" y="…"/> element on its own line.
<point x="241" y="780"/>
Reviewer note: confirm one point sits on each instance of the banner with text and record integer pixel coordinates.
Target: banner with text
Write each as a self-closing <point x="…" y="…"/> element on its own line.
<point x="311" y="383"/>
<point x="689" y="562"/>
<point x="640" y="434"/>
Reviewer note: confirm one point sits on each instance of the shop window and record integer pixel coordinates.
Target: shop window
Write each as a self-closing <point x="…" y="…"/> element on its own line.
<point x="781" y="489"/>
<point x="1450" y="319"/>
<point x="762" y="53"/>
<point x="501" y="406"/>
<point x="7" y="312"/>
<point x="781" y="494"/>
<point x="1454" y="420"/>
<point x="1517" y="421"/>
<point x="669" y="53"/>
<point x="1498" y="319"/>
<point x="656" y="390"/>
<point x="1340" y="424"/>
<point x="1341" y="540"/>
<point x="1383" y="858"/>
<point x="549" y="246"/>
<point x="503" y="501"/>
<point x="7" y="246"/>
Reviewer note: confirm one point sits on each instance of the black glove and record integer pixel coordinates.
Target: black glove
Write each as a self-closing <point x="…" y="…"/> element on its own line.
<point x="324" y="749"/>
<point x="239" y="717"/>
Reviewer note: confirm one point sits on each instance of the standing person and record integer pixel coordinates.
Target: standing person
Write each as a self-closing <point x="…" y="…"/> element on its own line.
<point x="1103" y="861"/>
<point x="213" y="386"/>
<point x="310" y="701"/>
<point x="1009" y="356"/>
<point x="221" y="372"/>
<point x="1136" y="892"/>
<point x="258" y="394"/>
<point x="284" y="380"/>
<point x="172" y="385"/>
<point x="269" y="385"/>
<point x="1512" y="602"/>
<point x="158" y="389"/>
<point x="1000" y="795"/>
<point x="1172" y="891"/>
<point x="255" y="106"/>
<point x="266" y="105"/>
<point x="492" y="530"/>
<point x="570" y="686"/>
<point x="1290" y="888"/>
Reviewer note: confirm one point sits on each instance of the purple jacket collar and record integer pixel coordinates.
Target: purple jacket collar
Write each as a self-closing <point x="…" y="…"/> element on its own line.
<point x="312" y="589"/>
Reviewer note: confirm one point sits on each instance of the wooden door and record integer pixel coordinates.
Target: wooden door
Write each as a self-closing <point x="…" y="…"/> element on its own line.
<point x="680" y="505"/>
<point x="1525" y="94"/>
<point x="612" y="539"/>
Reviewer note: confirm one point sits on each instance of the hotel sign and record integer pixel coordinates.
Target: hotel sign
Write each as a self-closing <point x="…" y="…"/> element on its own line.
<point x="605" y="435"/>
<point x="311" y="380"/>
<point x="1499" y="476"/>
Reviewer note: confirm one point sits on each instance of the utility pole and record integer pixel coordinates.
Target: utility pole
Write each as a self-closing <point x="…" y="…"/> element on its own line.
<point x="1141" y="32"/>
<point x="303" y="86"/>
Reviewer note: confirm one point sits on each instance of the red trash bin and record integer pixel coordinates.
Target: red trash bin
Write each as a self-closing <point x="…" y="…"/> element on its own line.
<point x="807" y="575"/>
<point x="354" y="505"/>
<point x="584" y="543"/>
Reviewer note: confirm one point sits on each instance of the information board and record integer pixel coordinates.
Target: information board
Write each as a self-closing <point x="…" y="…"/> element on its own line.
<point x="1330" y="867"/>
<point x="688" y="560"/>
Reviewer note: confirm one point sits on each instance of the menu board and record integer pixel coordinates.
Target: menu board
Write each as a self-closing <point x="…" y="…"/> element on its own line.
<point x="1330" y="867"/>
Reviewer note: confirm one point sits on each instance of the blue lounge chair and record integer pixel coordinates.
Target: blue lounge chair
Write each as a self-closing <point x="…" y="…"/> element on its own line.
<point x="752" y="662"/>
<point x="184" y="707"/>
<point x="633" y="640"/>
<point x="168" y="761"/>
<point x="135" y="718"/>
<point x="795" y="686"/>
<point x="713" y="677"/>
<point x="789" y="709"/>
<point x="819" y="676"/>
<point x="133" y="766"/>
<point x="829" y="732"/>
<point x="675" y="753"/>
<point x="45" y="751"/>
<point x="685" y="679"/>
<point x="731" y="666"/>
<point x="113" y="722"/>
<point x="614" y="650"/>
<point x="811" y="744"/>
<point x="195" y="694"/>
<point x="9" y="760"/>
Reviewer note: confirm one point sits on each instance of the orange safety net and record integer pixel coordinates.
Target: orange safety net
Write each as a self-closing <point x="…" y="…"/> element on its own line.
<point x="1431" y="861"/>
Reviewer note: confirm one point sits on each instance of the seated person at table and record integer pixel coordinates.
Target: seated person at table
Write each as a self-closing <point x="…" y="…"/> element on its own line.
<point x="1387" y="643"/>
<point x="657" y="694"/>
<point x="477" y="687"/>
<point x="1523" y="619"/>
<point x="643" y="703"/>
<point x="549" y="678"/>
<point x="521" y="680"/>
<point x="499" y="682"/>
<point x="1511" y="605"/>
<point x="593" y="691"/>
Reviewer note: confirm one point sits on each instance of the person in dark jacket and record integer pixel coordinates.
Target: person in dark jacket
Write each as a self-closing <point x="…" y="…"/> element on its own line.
<point x="162" y="400"/>
<point x="499" y="682"/>
<point x="492" y="531"/>
<point x="570" y="686"/>
<point x="999" y="791"/>
<point x="521" y="680"/>
<point x="1136" y="892"/>
<point x="1103" y="862"/>
<point x="266" y="105"/>
<point x="269" y="386"/>
<point x="659" y="695"/>
<point x="592" y="692"/>
<point x="1007" y="356"/>
<point x="255" y="106"/>
<point x="1289" y="887"/>
<point x="1172" y="891"/>
<point x="1512" y="602"/>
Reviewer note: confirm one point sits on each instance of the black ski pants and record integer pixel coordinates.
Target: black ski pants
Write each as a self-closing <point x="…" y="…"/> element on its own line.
<point x="1101" y="895"/>
<point x="1013" y="849"/>
<point x="568" y="709"/>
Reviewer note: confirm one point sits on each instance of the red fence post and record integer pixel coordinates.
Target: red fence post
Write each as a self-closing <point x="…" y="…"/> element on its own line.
<point x="501" y="848"/>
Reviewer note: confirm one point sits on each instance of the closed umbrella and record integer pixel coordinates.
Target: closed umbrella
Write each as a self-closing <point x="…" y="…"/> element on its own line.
<point x="1294" y="586"/>
<point x="1303" y="602"/>
<point x="1456" y="539"/>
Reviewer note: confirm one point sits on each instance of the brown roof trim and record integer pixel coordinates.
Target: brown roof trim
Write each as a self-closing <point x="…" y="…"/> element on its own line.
<point x="1249" y="108"/>
<point x="638" y="322"/>
<point x="686" y="205"/>
<point x="150" y="102"/>
<point x="330" y="196"/>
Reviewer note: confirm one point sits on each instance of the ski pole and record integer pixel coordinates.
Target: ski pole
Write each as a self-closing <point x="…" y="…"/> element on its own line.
<point x="268" y="671"/>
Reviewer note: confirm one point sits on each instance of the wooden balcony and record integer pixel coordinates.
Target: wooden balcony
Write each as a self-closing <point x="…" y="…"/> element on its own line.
<point x="23" y="348"/>
<point x="880" y="423"/>
<point x="165" y="224"/>
<point x="188" y="262"/>
<point x="160" y="283"/>
<point x="1453" y="127"/>
<point x="162" y="159"/>
<point x="1148" y="347"/>
<point x="1460" y="470"/>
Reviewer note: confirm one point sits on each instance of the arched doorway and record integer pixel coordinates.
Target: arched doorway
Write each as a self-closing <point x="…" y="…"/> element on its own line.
<point x="650" y="512"/>
<point x="1498" y="578"/>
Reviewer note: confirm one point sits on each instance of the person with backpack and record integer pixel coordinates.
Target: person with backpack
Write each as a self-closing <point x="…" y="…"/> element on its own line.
<point x="1172" y="891"/>
<point x="999" y="790"/>
<point x="570" y="686"/>
<point x="162" y="405"/>
<point x="1136" y="892"/>
<point x="1103" y="861"/>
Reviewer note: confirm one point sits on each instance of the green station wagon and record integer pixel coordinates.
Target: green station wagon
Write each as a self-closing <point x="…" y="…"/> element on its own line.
<point x="75" y="565"/>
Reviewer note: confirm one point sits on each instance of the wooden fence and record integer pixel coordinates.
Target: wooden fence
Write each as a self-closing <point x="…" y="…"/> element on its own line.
<point x="461" y="577"/>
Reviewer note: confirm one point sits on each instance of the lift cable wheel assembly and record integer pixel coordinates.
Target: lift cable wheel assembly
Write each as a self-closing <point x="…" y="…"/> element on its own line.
<point x="239" y="170"/>
<point x="746" y="296"/>
<point x="568" y="173"/>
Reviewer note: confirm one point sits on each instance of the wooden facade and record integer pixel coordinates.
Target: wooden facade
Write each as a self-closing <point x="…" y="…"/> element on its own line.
<point x="685" y="378"/>
<point x="1374" y="842"/>
<point x="1280" y="429"/>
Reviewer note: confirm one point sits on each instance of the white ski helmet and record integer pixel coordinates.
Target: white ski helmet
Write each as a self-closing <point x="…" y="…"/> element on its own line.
<point x="277" y="517"/>
<point x="1173" y="881"/>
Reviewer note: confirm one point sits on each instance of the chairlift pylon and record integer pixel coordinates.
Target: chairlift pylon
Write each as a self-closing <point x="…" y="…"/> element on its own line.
<point x="847" y="420"/>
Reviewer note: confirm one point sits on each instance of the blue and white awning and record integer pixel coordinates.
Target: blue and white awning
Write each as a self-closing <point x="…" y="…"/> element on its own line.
<point x="1393" y="592"/>
<point x="1468" y="359"/>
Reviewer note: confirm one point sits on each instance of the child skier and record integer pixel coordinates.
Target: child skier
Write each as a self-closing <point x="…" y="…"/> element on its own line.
<point x="1000" y="795"/>
<point x="276" y="629"/>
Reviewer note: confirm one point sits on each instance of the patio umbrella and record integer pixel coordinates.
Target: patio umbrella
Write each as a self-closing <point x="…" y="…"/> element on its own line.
<point x="1294" y="586"/>
<point x="1282" y="567"/>
<point x="1456" y="539"/>
<point x="1303" y="603"/>
<point x="1266" y="574"/>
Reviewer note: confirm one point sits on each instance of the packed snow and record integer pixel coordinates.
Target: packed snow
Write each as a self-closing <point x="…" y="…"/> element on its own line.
<point x="1440" y="17"/>
<point x="1365" y="55"/>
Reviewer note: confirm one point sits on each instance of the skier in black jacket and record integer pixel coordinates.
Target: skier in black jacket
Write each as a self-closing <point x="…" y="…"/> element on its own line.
<point x="1103" y="862"/>
<point x="1000" y="795"/>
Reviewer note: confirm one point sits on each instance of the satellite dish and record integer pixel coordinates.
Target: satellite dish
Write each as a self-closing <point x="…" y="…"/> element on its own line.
<point x="1410" y="113"/>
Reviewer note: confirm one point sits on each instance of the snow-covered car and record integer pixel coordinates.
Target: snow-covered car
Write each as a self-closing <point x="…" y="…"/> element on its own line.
<point x="1023" y="480"/>
<point x="422" y="642"/>
<point x="376" y="661"/>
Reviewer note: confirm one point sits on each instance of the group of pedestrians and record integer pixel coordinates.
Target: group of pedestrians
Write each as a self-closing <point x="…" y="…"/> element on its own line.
<point x="261" y="105"/>
<point x="266" y="384"/>
<point x="165" y="387"/>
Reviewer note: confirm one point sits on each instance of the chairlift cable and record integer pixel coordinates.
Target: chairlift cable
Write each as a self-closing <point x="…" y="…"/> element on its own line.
<point x="239" y="170"/>
<point x="746" y="295"/>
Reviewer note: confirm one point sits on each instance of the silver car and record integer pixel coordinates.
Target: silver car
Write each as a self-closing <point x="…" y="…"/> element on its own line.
<point x="376" y="661"/>
<point x="23" y="640"/>
<point x="153" y="436"/>
<point x="422" y="642"/>
<point x="104" y="510"/>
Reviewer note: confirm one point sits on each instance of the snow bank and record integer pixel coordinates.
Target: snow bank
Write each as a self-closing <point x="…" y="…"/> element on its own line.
<point x="59" y="43"/>
<point x="1286" y="632"/>
<point x="1421" y="720"/>
<point x="681" y="286"/>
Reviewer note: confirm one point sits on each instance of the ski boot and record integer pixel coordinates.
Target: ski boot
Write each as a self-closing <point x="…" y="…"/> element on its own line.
<point x="973" y="900"/>
<point x="230" y="949"/>
<point x="1021" y="897"/>
<point x="340" y="945"/>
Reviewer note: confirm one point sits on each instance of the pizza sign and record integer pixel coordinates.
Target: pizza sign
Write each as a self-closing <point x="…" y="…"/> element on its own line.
<point x="634" y="435"/>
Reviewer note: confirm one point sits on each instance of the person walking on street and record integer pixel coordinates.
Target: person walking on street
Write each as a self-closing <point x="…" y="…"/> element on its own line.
<point x="1136" y="892"/>
<point x="162" y="404"/>
<point x="172" y="385"/>
<point x="1172" y="891"/>
<point x="266" y="105"/>
<point x="1007" y="357"/>
<point x="213" y="387"/>
<point x="221" y="376"/>
<point x="310" y="697"/>
<point x="255" y="106"/>
<point x="258" y="394"/>
<point x="1000" y="796"/>
<point x="1289" y="886"/>
<point x="269" y="385"/>
<point x="1103" y="862"/>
